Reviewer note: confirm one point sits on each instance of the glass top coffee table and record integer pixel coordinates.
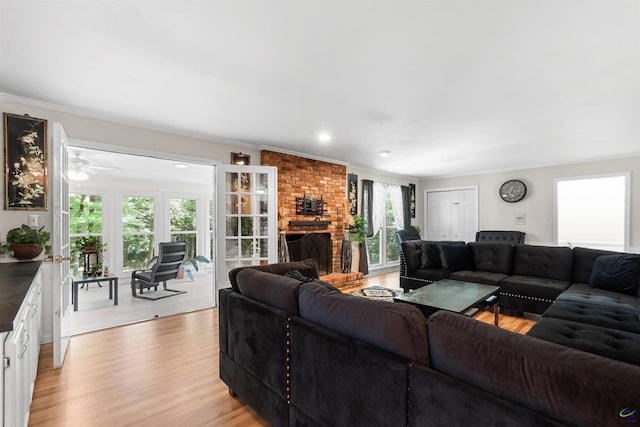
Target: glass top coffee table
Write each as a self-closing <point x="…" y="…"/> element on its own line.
<point x="453" y="295"/>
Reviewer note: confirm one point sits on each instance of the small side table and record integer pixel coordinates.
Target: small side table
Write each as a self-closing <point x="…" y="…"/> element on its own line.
<point x="76" y="280"/>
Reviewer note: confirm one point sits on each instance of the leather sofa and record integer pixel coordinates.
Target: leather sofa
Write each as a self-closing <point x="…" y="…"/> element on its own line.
<point x="302" y="353"/>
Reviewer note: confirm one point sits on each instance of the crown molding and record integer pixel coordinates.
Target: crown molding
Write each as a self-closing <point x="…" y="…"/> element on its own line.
<point x="122" y="120"/>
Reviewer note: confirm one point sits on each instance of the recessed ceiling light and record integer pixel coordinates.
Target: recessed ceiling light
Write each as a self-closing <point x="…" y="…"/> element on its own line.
<point x="181" y="165"/>
<point x="385" y="153"/>
<point x="324" y="137"/>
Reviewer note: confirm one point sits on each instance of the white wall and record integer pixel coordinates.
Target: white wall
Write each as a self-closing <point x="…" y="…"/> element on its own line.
<point x="115" y="134"/>
<point x="494" y="213"/>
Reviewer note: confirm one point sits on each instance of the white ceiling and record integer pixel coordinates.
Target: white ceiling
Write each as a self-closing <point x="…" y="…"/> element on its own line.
<point x="449" y="86"/>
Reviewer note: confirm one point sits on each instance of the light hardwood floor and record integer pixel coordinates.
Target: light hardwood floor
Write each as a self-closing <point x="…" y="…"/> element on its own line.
<point x="162" y="372"/>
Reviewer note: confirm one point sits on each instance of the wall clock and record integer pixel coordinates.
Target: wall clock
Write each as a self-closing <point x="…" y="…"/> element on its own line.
<point x="513" y="191"/>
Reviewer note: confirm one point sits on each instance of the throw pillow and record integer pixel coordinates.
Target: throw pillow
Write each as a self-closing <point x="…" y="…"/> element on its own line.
<point x="456" y="257"/>
<point x="269" y="288"/>
<point x="431" y="255"/>
<point x="617" y="273"/>
<point x="295" y="274"/>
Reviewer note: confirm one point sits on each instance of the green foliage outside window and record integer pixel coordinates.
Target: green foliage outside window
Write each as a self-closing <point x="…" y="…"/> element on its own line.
<point x="85" y="214"/>
<point x="137" y="217"/>
<point x="137" y="214"/>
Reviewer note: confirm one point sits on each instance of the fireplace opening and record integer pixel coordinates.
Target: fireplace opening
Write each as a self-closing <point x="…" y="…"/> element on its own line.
<point x="311" y="245"/>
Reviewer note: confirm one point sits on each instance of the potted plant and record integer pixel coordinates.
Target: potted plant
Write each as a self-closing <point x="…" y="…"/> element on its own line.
<point x="357" y="235"/>
<point x="27" y="243"/>
<point x="194" y="263"/>
<point x="88" y="245"/>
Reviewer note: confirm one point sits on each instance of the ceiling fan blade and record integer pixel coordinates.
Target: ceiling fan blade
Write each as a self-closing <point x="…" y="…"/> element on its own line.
<point x="104" y="167"/>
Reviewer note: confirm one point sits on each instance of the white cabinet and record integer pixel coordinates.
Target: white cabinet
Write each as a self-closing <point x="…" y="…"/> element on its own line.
<point x="20" y="357"/>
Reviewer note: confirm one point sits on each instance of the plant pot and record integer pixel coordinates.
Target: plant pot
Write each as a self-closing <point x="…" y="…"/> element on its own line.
<point x="355" y="257"/>
<point x="25" y="251"/>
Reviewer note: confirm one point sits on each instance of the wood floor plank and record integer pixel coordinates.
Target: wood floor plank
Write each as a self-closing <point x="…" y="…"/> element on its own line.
<point x="162" y="372"/>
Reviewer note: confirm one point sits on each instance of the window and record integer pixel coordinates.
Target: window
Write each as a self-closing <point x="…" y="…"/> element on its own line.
<point x="138" y="237"/>
<point x="182" y="223"/>
<point x="85" y="219"/>
<point x="593" y="211"/>
<point x="386" y="216"/>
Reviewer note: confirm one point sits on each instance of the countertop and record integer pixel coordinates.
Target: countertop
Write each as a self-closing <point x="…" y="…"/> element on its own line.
<point x="15" y="280"/>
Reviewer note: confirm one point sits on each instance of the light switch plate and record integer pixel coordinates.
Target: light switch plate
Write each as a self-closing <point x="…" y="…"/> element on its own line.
<point x="34" y="220"/>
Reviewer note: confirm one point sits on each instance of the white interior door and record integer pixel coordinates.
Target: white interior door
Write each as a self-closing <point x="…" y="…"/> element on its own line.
<point x="247" y="218"/>
<point x="61" y="278"/>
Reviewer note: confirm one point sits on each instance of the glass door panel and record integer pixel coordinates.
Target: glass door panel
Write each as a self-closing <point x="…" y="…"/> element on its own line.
<point x="248" y="218"/>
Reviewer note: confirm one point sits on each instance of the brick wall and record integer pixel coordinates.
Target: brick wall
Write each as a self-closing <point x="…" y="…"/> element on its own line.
<point x="299" y="175"/>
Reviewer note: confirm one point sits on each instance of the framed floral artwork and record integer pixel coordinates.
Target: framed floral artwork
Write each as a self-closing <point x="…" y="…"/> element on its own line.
<point x="412" y="200"/>
<point x="25" y="162"/>
<point x="352" y="192"/>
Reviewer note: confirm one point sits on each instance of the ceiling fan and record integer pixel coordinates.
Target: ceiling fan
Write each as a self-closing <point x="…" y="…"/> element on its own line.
<point x="78" y="168"/>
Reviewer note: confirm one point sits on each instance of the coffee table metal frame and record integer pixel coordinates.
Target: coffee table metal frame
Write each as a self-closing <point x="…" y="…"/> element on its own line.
<point x="453" y="295"/>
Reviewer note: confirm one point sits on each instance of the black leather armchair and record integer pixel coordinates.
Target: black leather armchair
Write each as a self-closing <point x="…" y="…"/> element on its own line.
<point x="170" y="258"/>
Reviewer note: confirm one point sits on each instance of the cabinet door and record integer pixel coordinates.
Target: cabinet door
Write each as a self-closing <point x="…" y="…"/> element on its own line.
<point x="16" y="348"/>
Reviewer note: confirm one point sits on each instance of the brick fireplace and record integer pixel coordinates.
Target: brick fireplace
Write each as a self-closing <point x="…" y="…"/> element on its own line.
<point x="299" y="177"/>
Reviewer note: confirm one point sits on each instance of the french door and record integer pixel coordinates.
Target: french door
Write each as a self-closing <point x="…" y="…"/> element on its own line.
<point x="61" y="276"/>
<point x="247" y="218"/>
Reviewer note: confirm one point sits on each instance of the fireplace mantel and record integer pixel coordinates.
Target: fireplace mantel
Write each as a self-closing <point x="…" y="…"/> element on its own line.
<point x="309" y="223"/>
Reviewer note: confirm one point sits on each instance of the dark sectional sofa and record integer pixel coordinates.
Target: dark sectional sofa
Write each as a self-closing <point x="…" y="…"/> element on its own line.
<point x="589" y="299"/>
<point x="302" y="353"/>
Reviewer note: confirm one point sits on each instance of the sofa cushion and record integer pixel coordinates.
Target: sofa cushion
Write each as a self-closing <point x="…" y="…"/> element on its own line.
<point x="619" y="317"/>
<point x="549" y="262"/>
<point x="308" y="267"/>
<point x="533" y="287"/>
<point x="483" y="277"/>
<point x="574" y="387"/>
<point x="272" y="289"/>
<point x="583" y="260"/>
<point x="584" y="293"/>
<point x="431" y="252"/>
<point x="456" y="257"/>
<point x="412" y="252"/>
<point x="429" y="274"/>
<point x="617" y="273"/>
<point x="492" y="257"/>
<point x="397" y="328"/>
<point x="607" y="342"/>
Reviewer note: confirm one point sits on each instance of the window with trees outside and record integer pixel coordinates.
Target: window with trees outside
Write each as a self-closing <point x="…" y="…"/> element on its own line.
<point x="138" y="232"/>
<point x="381" y="247"/>
<point x="85" y="219"/>
<point x="183" y="223"/>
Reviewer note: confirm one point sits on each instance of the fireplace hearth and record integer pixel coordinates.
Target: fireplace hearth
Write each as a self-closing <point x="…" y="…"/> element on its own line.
<point x="311" y="245"/>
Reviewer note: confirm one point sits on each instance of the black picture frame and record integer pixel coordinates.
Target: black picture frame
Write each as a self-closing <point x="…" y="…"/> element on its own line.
<point x="240" y="159"/>
<point x="25" y="162"/>
<point x="352" y="193"/>
<point x="412" y="200"/>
